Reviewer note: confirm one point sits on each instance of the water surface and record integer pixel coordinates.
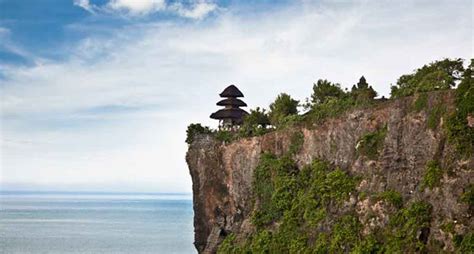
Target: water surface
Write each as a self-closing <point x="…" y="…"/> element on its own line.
<point x="50" y="222"/>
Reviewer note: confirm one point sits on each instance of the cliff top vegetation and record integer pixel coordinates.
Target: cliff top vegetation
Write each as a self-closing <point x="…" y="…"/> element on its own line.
<point x="329" y="99"/>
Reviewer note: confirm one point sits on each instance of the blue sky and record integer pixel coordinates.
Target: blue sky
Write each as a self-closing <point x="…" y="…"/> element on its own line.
<point x="96" y="95"/>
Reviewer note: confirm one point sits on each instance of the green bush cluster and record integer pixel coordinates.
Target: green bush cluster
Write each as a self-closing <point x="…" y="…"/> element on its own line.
<point x="421" y="102"/>
<point x="438" y="75"/>
<point x="298" y="201"/>
<point x="459" y="133"/>
<point x="293" y="214"/>
<point x="195" y="129"/>
<point x="370" y="143"/>
<point x="297" y="140"/>
<point x="464" y="243"/>
<point x="393" y="197"/>
<point x="404" y="232"/>
<point x="433" y="175"/>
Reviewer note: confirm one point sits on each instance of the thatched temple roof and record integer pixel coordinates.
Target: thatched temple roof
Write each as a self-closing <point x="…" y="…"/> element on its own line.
<point x="231" y="102"/>
<point x="229" y="113"/>
<point x="231" y="91"/>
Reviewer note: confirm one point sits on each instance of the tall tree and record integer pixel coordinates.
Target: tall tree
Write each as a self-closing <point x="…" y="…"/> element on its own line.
<point x="324" y="90"/>
<point x="282" y="107"/>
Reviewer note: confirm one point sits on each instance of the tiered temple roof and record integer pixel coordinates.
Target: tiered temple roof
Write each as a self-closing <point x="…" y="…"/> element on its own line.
<point x="232" y="114"/>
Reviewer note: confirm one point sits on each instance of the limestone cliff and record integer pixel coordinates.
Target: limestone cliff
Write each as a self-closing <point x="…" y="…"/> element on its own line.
<point x="222" y="174"/>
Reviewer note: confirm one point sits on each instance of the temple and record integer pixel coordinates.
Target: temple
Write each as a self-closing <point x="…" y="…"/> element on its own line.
<point x="231" y="116"/>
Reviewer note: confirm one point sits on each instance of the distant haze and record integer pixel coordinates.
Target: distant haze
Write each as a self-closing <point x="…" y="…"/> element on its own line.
<point x="96" y="95"/>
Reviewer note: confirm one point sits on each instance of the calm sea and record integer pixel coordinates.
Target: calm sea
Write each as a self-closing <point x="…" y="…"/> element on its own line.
<point x="95" y="223"/>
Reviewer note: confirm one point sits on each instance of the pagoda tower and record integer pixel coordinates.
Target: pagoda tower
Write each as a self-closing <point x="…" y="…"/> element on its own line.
<point x="231" y="115"/>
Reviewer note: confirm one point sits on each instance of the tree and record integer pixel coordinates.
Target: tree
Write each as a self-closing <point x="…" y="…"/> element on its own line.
<point x="438" y="75"/>
<point x="324" y="90"/>
<point x="362" y="92"/>
<point x="195" y="129"/>
<point x="257" y="117"/>
<point x="255" y="123"/>
<point x="282" y="107"/>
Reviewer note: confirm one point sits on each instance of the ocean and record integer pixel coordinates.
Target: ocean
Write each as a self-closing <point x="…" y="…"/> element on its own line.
<point x="52" y="222"/>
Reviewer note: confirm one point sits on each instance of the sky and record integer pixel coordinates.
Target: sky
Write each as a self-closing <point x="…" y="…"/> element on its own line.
<point x="96" y="95"/>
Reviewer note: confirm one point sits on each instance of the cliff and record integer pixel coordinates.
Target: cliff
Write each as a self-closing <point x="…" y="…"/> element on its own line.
<point x="393" y="150"/>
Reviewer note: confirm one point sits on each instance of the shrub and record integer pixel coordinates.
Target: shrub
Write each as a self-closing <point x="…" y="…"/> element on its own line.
<point x="459" y="133"/>
<point x="370" y="143"/>
<point x="296" y="143"/>
<point x="466" y="245"/>
<point x="225" y="135"/>
<point x="195" y="129"/>
<point x="254" y="124"/>
<point x="433" y="175"/>
<point x="435" y="116"/>
<point x="402" y="233"/>
<point x="421" y="102"/>
<point x="346" y="234"/>
<point x="392" y="197"/>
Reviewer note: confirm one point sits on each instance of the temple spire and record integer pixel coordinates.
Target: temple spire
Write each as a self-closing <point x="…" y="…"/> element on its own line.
<point x="231" y="115"/>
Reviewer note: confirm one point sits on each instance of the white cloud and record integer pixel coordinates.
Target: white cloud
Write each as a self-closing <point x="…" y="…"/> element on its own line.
<point x="85" y="4"/>
<point x="170" y="74"/>
<point x="137" y="7"/>
<point x="197" y="9"/>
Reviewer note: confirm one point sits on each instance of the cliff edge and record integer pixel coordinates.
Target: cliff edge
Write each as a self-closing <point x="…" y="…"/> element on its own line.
<point x="390" y="150"/>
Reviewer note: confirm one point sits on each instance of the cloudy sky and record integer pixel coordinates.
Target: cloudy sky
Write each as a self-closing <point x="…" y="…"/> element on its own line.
<point x="96" y="94"/>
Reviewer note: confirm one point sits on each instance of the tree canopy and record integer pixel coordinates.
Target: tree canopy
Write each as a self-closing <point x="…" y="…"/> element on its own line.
<point x="438" y="75"/>
<point x="323" y="91"/>
<point x="282" y="107"/>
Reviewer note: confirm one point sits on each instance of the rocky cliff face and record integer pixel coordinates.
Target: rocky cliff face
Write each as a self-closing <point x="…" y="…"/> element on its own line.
<point x="222" y="173"/>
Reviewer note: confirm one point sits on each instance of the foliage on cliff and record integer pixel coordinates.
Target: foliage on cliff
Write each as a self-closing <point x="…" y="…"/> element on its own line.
<point x="316" y="208"/>
<point x="459" y="131"/>
<point x="438" y="75"/>
<point x="305" y="211"/>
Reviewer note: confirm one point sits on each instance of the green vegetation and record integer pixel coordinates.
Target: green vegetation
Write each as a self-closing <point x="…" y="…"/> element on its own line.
<point x="433" y="175"/>
<point x="324" y="91"/>
<point x="370" y="143"/>
<point x="297" y="200"/>
<point x="459" y="132"/>
<point x="465" y="244"/>
<point x="362" y="92"/>
<point x="392" y="197"/>
<point x="468" y="196"/>
<point x="404" y="232"/>
<point x="255" y="124"/>
<point x="292" y="206"/>
<point x="297" y="141"/>
<point x="421" y="102"/>
<point x="329" y="100"/>
<point x="438" y="75"/>
<point x="282" y="107"/>
<point x="302" y="210"/>
<point x="195" y="129"/>
<point x="435" y="116"/>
